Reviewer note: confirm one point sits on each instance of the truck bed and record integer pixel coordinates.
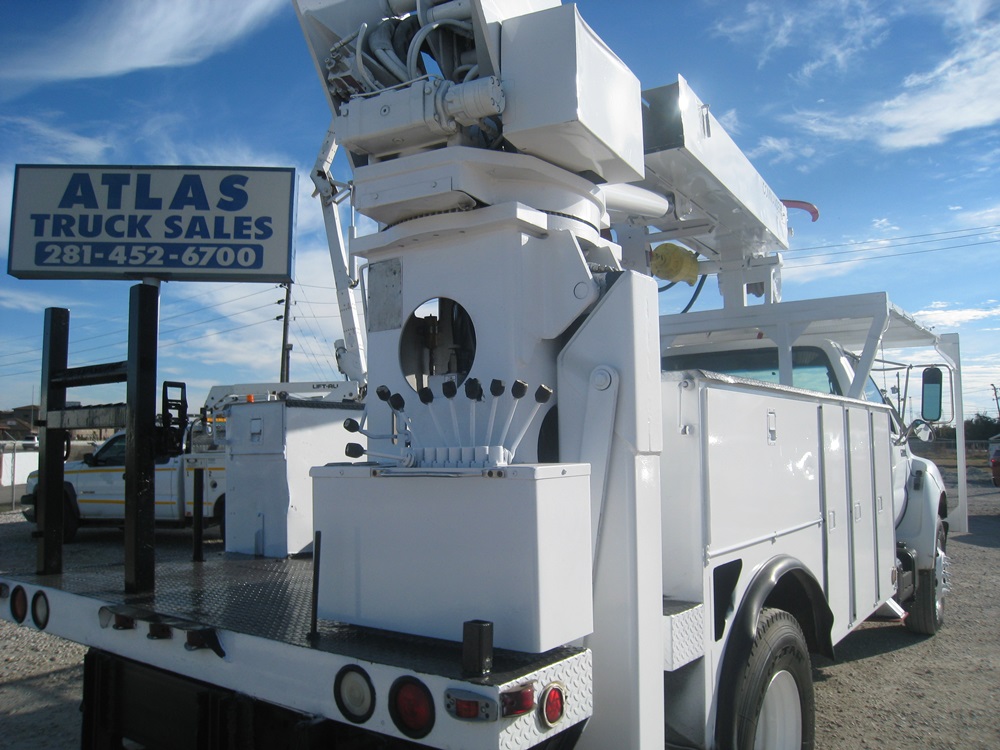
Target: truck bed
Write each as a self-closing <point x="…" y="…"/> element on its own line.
<point x="269" y="599"/>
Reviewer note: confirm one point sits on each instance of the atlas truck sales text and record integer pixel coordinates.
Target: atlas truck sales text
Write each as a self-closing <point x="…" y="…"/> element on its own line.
<point x="544" y="514"/>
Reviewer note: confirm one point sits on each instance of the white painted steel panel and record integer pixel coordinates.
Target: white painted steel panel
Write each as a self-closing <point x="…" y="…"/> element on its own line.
<point x="862" y="513"/>
<point x="762" y="454"/>
<point x="271" y="446"/>
<point x="837" y="516"/>
<point x="423" y="551"/>
<point x="570" y="100"/>
<point x="682" y="482"/>
<point x="885" y="532"/>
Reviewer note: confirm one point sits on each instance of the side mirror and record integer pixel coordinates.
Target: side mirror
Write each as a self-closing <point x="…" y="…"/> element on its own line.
<point x="919" y="430"/>
<point x="931" y="394"/>
<point x="88" y="458"/>
<point x="923" y="432"/>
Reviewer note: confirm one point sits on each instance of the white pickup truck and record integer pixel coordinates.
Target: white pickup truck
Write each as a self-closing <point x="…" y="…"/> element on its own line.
<point x="95" y="488"/>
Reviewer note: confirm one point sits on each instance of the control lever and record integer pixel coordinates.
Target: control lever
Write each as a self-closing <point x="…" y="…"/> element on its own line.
<point x="542" y="396"/>
<point x="449" y="391"/>
<point x="497" y="388"/>
<point x="396" y="403"/>
<point x="426" y="396"/>
<point x="356" y="450"/>
<point x="352" y="425"/>
<point x="473" y="392"/>
<point x="517" y="391"/>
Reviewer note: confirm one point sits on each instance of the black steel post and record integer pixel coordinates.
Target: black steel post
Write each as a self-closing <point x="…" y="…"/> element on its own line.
<point x="198" y="521"/>
<point x="50" y="506"/>
<point x="140" y="426"/>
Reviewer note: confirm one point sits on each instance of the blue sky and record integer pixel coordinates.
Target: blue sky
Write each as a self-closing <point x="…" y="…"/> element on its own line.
<point x="885" y="115"/>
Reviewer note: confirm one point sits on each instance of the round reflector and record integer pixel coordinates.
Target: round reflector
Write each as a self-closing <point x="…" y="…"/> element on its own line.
<point x="411" y="707"/>
<point x="355" y="694"/>
<point x="552" y="705"/>
<point x="18" y="604"/>
<point x="40" y="610"/>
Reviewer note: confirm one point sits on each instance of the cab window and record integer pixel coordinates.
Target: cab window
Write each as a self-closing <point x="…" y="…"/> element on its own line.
<point x="811" y="369"/>
<point x="112" y="453"/>
<point x="872" y="393"/>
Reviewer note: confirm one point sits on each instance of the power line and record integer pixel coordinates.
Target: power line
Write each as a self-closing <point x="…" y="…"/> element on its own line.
<point x="875" y="247"/>
<point x="793" y="264"/>
<point x="986" y="229"/>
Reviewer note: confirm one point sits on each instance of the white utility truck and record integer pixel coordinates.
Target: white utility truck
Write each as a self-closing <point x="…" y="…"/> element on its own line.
<point x="578" y="523"/>
<point x="94" y="487"/>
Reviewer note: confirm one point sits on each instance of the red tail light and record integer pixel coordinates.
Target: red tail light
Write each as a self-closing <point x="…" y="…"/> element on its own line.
<point x="18" y="604"/>
<point x="411" y="707"/>
<point x="518" y="702"/>
<point x="553" y="704"/>
<point x="469" y="706"/>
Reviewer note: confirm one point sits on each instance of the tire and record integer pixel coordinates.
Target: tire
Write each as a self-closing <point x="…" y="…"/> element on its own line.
<point x="70" y="520"/>
<point x="775" y="707"/>
<point x="926" y="614"/>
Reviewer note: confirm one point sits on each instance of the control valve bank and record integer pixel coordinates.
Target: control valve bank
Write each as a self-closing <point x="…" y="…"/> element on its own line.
<point x="567" y="520"/>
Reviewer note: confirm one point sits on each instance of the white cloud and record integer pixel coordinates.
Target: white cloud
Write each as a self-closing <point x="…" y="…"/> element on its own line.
<point x="117" y="37"/>
<point x="960" y="93"/>
<point x="835" y="32"/>
<point x="989" y="216"/>
<point x="730" y="121"/>
<point x="35" y="140"/>
<point x="947" y="318"/>
<point x="779" y="150"/>
<point x="28" y="299"/>
<point x="884" y="225"/>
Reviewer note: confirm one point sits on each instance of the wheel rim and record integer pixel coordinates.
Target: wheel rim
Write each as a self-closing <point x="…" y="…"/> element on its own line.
<point x="941" y="582"/>
<point x="779" y="726"/>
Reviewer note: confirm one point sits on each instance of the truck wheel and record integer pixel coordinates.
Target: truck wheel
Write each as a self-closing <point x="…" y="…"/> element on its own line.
<point x="927" y="610"/>
<point x="775" y="708"/>
<point x="70" y="521"/>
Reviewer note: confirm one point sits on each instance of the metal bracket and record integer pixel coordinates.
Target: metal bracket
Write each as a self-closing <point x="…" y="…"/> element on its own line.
<point x="598" y="429"/>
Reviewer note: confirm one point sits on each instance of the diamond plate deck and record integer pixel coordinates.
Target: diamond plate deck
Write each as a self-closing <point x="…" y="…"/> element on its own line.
<point x="271" y="599"/>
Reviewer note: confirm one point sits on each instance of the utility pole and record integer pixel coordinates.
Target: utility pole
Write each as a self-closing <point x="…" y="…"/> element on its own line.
<point x="996" y="398"/>
<point x="286" y="348"/>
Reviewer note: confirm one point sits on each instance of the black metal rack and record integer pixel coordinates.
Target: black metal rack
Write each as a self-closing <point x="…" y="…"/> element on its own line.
<point x="55" y="420"/>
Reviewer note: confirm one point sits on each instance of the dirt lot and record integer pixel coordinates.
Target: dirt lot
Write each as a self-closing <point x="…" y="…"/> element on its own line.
<point x="888" y="688"/>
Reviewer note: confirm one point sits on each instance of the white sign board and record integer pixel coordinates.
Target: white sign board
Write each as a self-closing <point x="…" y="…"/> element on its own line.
<point x="186" y="223"/>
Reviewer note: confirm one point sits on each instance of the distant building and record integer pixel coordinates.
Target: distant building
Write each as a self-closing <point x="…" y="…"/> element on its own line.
<point x="17" y="424"/>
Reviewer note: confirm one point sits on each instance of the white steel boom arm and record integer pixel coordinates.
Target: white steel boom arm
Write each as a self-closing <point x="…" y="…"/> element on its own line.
<point x="351" y="358"/>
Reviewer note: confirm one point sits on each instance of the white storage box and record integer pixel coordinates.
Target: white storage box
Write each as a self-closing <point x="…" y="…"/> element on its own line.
<point x="421" y="551"/>
<point x="570" y="100"/>
<point x="271" y="446"/>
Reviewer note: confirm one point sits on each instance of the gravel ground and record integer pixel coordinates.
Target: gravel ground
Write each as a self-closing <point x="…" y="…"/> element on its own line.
<point x="888" y="688"/>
